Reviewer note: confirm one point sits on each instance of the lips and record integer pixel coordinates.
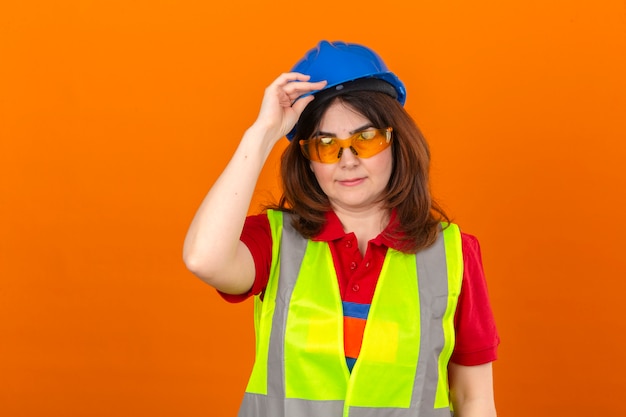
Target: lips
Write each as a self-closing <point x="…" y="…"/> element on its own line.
<point x="351" y="182"/>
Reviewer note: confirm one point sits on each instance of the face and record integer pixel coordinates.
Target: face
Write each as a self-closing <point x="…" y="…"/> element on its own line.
<point x="351" y="183"/>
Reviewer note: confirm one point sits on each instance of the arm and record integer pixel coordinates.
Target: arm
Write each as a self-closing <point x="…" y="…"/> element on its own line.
<point x="212" y="249"/>
<point x="471" y="390"/>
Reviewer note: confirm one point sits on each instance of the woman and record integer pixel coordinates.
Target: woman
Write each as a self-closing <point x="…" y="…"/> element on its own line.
<point x="368" y="302"/>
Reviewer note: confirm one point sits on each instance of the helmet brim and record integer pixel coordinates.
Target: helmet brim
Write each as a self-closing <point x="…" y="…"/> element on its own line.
<point x="385" y="82"/>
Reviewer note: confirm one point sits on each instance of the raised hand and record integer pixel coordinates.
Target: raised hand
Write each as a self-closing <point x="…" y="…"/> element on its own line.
<point x="281" y="106"/>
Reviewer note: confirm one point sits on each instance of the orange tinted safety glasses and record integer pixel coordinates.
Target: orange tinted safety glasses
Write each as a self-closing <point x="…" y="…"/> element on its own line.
<point x="364" y="144"/>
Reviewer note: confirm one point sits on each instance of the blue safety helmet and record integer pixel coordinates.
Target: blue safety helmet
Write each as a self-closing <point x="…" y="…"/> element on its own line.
<point x="346" y="67"/>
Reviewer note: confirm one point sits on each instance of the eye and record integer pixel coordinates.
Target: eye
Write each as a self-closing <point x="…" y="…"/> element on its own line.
<point x="326" y="140"/>
<point x="367" y="135"/>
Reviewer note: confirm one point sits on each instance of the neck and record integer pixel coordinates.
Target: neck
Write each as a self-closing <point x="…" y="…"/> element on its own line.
<point x="366" y="224"/>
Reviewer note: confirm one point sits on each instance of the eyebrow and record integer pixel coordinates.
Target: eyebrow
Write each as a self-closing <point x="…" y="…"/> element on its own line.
<point x="359" y="129"/>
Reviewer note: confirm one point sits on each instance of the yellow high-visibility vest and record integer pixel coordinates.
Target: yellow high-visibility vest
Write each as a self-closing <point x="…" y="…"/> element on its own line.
<point x="300" y="368"/>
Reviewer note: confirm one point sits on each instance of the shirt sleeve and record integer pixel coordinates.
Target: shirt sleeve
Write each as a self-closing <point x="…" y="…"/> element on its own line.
<point x="257" y="236"/>
<point x="477" y="338"/>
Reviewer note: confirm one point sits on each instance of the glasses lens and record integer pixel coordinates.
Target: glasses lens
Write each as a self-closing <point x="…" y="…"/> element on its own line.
<point x="371" y="142"/>
<point x="327" y="149"/>
<point x="321" y="149"/>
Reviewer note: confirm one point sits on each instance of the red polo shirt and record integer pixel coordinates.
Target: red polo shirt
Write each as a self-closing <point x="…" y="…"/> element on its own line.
<point x="476" y="335"/>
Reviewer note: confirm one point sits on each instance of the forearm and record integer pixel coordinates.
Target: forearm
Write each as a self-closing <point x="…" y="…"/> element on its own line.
<point x="211" y="247"/>
<point x="471" y="390"/>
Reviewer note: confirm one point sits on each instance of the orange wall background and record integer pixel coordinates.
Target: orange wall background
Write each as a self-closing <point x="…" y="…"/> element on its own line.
<point x="117" y="116"/>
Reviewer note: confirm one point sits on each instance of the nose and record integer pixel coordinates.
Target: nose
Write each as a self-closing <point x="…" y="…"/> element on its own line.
<point x="348" y="157"/>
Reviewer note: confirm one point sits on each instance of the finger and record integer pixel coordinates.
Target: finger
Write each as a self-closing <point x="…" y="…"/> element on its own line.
<point x="287" y="77"/>
<point x="296" y="89"/>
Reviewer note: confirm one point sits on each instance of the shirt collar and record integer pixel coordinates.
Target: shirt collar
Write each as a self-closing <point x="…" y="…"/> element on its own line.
<point x="333" y="230"/>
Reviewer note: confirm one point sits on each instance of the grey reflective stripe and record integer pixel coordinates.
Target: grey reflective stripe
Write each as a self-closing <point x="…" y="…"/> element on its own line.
<point x="292" y="251"/>
<point x="274" y="404"/>
<point x="398" y="412"/>
<point x="257" y="405"/>
<point x="433" y="290"/>
<point x="432" y="275"/>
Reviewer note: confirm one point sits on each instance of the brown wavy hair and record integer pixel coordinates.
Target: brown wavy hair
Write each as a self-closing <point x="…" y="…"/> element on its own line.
<point x="408" y="191"/>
